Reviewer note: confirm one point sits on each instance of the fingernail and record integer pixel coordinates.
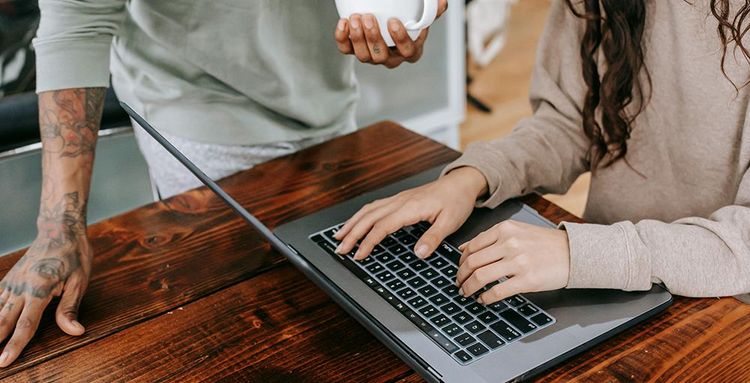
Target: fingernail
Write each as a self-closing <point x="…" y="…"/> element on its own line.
<point x="462" y="247"/>
<point x="3" y="357"/>
<point x="340" y="249"/>
<point x="393" y="24"/>
<point x="422" y="251"/>
<point x="480" y="300"/>
<point x="341" y="25"/>
<point x="77" y="325"/>
<point x="461" y="291"/>
<point x="354" y="23"/>
<point x="369" y="22"/>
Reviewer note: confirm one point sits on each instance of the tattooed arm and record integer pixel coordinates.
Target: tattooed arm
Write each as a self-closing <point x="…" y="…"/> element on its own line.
<point x="59" y="260"/>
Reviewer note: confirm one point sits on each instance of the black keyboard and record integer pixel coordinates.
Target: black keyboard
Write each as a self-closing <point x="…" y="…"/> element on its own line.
<point x="424" y="291"/>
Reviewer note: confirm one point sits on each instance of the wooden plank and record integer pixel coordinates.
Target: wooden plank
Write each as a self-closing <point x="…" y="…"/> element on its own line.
<point x="165" y="255"/>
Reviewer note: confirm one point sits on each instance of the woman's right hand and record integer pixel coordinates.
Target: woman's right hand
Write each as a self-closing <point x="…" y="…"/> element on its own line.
<point x="445" y="203"/>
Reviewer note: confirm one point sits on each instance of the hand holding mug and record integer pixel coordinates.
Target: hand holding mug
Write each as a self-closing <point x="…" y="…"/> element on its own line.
<point x="386" y="32"/>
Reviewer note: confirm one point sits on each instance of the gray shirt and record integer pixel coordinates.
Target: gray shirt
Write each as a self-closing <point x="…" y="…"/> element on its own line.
<point x="685" y="220"/>
<point x="220" y="71"/>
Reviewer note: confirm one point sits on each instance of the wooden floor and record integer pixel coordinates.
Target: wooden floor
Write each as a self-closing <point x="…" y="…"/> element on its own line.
<point x="503" y="85"/>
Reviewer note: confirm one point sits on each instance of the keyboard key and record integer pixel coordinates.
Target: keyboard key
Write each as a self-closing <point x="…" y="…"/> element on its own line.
<point x="384" y="257"/>
<point x="541" y="319"/>
<point x="382" y="291"/>
<point x="462" y="317"/>
<point x="475" y="327"/>
<point x="515" y="301"/>
<point x="444" y="342"/>
<point x="395" y="265"/>
<point x="406" y="274"/>
<point x="370" y="281"/>
<point x="439" y="299"/>
<point x="401" y="306"/>
<point x="363" y="262"/>
<point x="452" y="329"/>
<point x="385" y="276"/>
<point x="429" y="273"/>
<point x="476" y="309"/>
<point x="406" y="293"/>
<point x="374" y="268"/>
<point x="449" y="253"/>
<point x="463" y="356"/>
<point x="418" y="321"/>
<point x="400" y="233"/>
<point x="450" y="308"/>
<point x="451" y="290"/>
<point x="408" y="257"/>
<point x="498" y="306"/>
<point x="464" y="339"/>
<point x="440" y="282"/>
<point x="388" y="242"/>
<point x="518" y="321"/>
<point x="528" y="310"/>
<point x="464" y="301"/>
<point x="377" y="250"/>
<point x="440" y="320"/>
<point x="408" y="239"/>
<point x="417" y="302"/>
<point x="396" y="249"/>
<point x="416" y="282"/>
<point x="503" y="329"/>
<point x="477" y="349"/>
<point x="450" y="271"/>
<point x="419" y="265"/>
<point x="487" y="317"/>
<point x="317" y="238"/>
<point x="330" y="233"/>
<point x="427" y="291"/>
<point x="438" y="262"/>
<point x="393" y="300"/>
<point x="491" y="340"/>
<point x="429" y="311"/>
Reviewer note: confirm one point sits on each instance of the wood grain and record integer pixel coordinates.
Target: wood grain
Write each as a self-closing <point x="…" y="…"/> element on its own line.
<point x="183" y="291"/>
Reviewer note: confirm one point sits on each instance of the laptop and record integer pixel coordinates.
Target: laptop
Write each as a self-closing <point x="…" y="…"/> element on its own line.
<point x="413" y="306"/>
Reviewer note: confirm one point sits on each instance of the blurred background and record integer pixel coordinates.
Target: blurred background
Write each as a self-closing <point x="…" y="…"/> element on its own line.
<point x="471" y="84"/>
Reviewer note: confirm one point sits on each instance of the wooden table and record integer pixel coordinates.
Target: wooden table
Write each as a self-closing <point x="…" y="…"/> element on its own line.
<point x="183" y="290"/>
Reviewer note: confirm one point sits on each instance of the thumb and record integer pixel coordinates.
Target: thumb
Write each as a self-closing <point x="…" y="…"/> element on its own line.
<point x="67" y="310"/>
<point x="431" y="239"/>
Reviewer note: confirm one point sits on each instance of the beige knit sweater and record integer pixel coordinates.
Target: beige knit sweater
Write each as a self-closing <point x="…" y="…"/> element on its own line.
<point x="687" y="222"/>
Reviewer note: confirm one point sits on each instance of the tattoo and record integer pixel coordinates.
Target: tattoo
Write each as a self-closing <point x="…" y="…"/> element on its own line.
<point x="63" y="222"/>
<point x="49" y="268"/>
<point x="69" y="121"/>
<point x="376" y="49"/>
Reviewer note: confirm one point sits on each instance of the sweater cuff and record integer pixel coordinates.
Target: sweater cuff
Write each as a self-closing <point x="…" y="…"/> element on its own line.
<point x="601" y="257"/>
<point x="72" y="64"/>
<point x="499" y="178"/>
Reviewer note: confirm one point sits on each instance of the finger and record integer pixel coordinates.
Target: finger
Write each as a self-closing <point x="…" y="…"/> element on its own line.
<point x="419" y="44"/>
<point x="4" y="298"/>
<point x="394" y="61"/>
<point x="363" y="227"/>
<point x="379" y="51"/>
<point x="442" y="7"/>
<point x="357" y="38"/>
<point x="485" y="275"/>
<point x="483" y="240"/>
<point x="382" y="228"/>
<point x="349" y="225"/>
<point x="404" y="44"/>
<point x="26" y="326"/>
<point x="502" y="290"/>
<point x="477" y="260"/>
<point x="434" y="236"/>
<point x="342" y="37"/>
<point x="9" y="316"/>
<point x="66" y="314"/>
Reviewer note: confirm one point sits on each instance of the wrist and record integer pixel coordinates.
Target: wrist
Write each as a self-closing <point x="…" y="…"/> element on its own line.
<point x="471" y="180"/>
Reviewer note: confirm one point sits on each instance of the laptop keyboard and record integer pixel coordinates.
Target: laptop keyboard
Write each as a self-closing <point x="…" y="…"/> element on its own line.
<point x="424" y="291"/>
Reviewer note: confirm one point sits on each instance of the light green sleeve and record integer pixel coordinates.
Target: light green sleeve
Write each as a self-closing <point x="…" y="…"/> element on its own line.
<point x="73" y="42"/>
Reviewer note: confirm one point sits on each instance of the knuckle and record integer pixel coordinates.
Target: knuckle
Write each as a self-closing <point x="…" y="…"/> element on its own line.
<point x="481" y="275"/>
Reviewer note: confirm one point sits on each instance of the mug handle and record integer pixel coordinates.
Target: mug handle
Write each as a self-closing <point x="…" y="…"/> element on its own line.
<point x="428" y="16"/>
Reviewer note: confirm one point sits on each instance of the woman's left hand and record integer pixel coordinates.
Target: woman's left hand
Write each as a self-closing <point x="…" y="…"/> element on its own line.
<point x="360" y="36"/>
<point x="533" y="258"/>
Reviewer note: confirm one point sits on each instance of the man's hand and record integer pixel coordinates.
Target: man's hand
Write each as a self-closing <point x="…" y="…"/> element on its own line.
<point x="360" y="36"/>
<point x="58" y="263"/>
<point x="534" y="259"/>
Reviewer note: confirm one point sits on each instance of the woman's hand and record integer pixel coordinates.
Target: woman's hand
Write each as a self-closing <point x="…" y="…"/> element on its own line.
<point x="445" y="203"/>
<point x="360" y="36"/>
<point x="533" y="258"/>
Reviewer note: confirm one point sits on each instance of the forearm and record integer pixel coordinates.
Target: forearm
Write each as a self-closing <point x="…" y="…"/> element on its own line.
<point x="69" y="123"/>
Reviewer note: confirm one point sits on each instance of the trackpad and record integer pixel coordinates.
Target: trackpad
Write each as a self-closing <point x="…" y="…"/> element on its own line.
<point x="483" y="219"/>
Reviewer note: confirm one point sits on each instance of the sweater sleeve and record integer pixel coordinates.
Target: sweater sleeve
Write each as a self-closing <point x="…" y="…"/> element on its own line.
<point x="696" y="257"/>
<point x="73" y="42"/>
<point x="548" y="151"/>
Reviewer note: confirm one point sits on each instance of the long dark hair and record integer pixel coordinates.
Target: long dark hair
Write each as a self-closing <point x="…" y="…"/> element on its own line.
<point x="615" y="29"/>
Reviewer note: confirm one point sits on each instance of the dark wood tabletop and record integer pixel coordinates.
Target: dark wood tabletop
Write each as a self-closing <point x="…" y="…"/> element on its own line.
<point x="183" y="290"/>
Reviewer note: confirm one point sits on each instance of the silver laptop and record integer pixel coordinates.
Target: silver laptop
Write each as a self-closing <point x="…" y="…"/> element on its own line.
<point x="414" y="308"/>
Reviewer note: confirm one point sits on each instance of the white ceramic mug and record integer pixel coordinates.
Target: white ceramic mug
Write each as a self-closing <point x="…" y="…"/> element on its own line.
<point x="415" y="14"/>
